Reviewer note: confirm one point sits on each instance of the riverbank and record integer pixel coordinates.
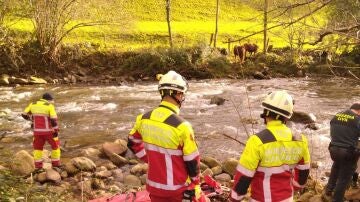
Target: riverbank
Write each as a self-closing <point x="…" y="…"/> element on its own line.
<point x="109" y="169"/>
<point x="84" y="64"/>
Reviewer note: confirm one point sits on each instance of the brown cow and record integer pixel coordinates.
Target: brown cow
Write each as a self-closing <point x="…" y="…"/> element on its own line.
<point x="251" y="48"/>
<point x="240" y="51"/>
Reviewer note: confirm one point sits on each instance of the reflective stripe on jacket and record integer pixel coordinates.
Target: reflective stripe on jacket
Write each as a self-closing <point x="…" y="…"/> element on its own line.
<point x="43" y="116"/>
<point x="274" y="162"/>
<point x="166" y="142"/>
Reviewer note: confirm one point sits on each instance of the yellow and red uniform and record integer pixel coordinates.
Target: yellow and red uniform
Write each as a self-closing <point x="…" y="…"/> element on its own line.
<point x="166" y="142"/>
<point x="274" y="162"/>
<point x="45" y="127"/>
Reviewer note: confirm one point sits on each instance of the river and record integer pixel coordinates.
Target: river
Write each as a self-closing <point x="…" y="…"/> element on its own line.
<point x="92" y="115"/>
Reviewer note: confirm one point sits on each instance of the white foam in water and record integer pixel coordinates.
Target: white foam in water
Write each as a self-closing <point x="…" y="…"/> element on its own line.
<point x="69" y="107"/>
<point x="108" y="106"/>
<point x="11" y="96"/>
<point x="95" y="97"/>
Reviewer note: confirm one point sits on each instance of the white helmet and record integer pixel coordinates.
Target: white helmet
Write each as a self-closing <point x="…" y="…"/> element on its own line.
<point x="172" y="81"/>
<point x="279" y="102"/>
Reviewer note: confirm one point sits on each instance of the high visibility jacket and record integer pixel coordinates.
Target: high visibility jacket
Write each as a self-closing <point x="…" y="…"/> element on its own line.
<point x="43" y="116"/>
<point x="166" y="142"/>
<point x="274" y="162"/>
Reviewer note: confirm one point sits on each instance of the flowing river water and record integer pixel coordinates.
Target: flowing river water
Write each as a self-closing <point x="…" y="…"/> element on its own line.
<point x="92" y="115"/>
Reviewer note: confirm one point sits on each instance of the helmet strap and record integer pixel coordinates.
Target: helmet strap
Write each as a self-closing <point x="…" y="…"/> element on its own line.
<point x="172" y="94"/>
<point x="272" y="115"/>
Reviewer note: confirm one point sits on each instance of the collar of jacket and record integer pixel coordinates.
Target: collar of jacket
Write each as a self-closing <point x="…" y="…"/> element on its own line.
<point x="274" y="123"/>
<point x="171" y="106"/>
<point x="43" y="100"/>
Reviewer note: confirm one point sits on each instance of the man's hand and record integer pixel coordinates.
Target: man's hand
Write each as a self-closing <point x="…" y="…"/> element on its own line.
<point x="55" y="134"/>
<point x="25" y="116"/>
<point x="188" y="195"/>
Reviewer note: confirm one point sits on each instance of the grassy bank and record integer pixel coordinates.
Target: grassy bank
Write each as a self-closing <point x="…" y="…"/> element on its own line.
<point x="193" y="22"/>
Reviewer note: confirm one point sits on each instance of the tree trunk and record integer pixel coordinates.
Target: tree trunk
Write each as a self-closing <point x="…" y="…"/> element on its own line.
<point x="217" y="22"/>
<point x="266" y="6"/>
<point x="168" y="19"/>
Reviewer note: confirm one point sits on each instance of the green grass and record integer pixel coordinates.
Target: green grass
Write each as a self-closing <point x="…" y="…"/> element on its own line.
<point x="193" y="22"/>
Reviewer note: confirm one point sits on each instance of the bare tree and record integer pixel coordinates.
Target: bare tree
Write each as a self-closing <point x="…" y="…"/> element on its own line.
<point x="216" y="22"/>
<point x="266" y="6"/>
<point x="55" y="19"/>
<point x="168" y="19"/>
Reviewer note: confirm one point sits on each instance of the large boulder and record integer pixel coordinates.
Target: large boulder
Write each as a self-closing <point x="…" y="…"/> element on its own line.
<point x="210" y="161"/>
<point x="84" y="164"/>
<point x="52" y="175"/>
<point x="118" y="160"/>
<point x="111" y="148"/>
<point x="91" y="153"/>
<point x="132" y="180"/>
<point x="36" y="80"/>
<point x="23" y="163"/>
<point x="4" y="79"/>
<point x="70" y="168"/>
<point x="139" y="169"/>
<point x="303" y="117"/>
<point x="229" y="166"/>
<point x="217" y="100"/>
<point x="224" y="177"/>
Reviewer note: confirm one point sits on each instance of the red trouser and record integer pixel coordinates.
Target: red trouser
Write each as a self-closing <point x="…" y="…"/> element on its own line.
<point x="166" y="199"/>
<point x="177" y="198"/>
<point x="38" y="145"/>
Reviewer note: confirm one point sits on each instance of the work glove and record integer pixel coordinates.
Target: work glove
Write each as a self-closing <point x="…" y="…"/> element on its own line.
<point x="55" y="134"/>
<point x="188" y="195"/>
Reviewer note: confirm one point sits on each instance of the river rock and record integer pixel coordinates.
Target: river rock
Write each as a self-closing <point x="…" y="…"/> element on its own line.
<point x="260" y="76"/>
<point x="41" y="177"/>
<point x="229" y="166"/>
<point x="71" y="168"/>
<point x="303" y="117"/>
<point x="216" y="170"/>
<point x="210" y="161"/>
<point x="132" y="180"/>
<point x="103" y="174"/>
<point x="110" y="148"/>
<point x="143" y="178"/>
<point x="207" y="171"/>
<point x="203" y="166"/>
<point x="217" y="100"/>
<point x="316" y="198"/>
<point x="224" y="177"/>
<point x="21" y="81"/>
<point x="97" y="184"/>
<point x="85" y="186"/>
<point x="139" y="169"/>
<point x="118" y="175"/>
<point x="4" y="79"/>
<point x="84" y="164"/>
<point x="118" y="160"/>
<point x="91" y="153"/>
<point x="23" y="163"/>
<point x="305" y="197"/>
<point x="52" y="175"/>
<point x="123" y="143"/>
<point x="36" y="80"/>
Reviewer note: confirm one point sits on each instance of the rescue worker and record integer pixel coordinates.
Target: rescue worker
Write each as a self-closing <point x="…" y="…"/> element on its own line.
<point x="45" y="127"/>
<point x="166" y="142"/>
<point x="344" y="133"/>
<point x="274" y="161"/>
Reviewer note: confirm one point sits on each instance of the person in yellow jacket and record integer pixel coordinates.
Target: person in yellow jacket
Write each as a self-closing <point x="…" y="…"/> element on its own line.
<point x="275" y="161"/>
<point x="166" y="142"/>
<point x="45" y="127"/>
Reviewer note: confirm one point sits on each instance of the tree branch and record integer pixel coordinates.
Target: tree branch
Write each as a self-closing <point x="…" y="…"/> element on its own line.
<point x="339" y="30"/>
<point x="283" y="24"/>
